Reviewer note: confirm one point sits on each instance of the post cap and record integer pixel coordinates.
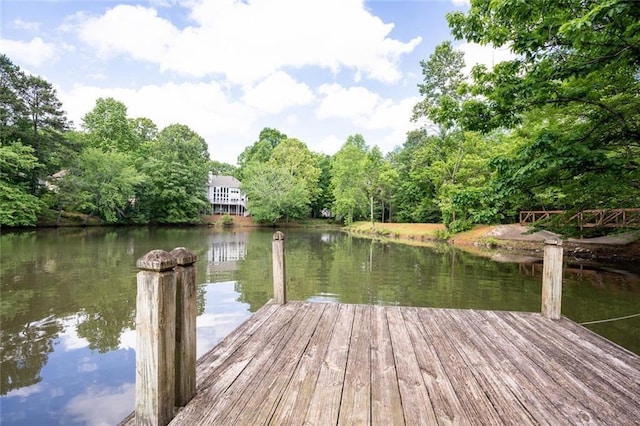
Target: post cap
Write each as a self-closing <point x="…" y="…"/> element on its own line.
<point x="156" y="260"/>
<point x="183" y="256"/>
<point x="553" y="242"/>
<point x="278" y="235"/>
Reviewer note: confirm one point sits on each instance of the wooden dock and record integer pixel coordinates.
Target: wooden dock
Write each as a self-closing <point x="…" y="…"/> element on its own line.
<point x="303" y="363"/>
<point x="327" y="364"/>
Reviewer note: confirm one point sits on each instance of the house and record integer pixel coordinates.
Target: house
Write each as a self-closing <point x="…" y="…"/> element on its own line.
<point x="225" y="196"/>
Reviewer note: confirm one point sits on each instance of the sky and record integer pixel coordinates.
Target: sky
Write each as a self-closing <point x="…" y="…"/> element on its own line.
<point x="316" y="70"/>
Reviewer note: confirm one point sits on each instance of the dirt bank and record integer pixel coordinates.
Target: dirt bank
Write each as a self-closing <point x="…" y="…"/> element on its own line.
<point x="507" y="242"/>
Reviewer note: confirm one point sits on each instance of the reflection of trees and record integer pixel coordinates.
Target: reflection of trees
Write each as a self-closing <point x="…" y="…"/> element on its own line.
<point x="84" y="273"/>
<point x="25" y="349"/>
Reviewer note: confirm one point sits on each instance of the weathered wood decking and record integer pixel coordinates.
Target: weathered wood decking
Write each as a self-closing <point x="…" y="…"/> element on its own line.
<point x="323" y="364"/>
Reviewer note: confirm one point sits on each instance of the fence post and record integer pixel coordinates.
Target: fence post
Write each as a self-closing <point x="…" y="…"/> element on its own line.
<point x="279" y="274"/>
<point x="552" y="279"/>
<point x="155" y="338"/>
<point x="185" y="353"/>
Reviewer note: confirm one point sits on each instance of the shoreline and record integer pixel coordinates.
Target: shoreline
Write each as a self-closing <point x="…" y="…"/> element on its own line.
<point x="500" y="242"/>
<point x="506" y="242"/>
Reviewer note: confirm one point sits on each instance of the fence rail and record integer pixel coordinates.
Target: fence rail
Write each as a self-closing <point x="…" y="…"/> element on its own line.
<point x="598" y="218"/>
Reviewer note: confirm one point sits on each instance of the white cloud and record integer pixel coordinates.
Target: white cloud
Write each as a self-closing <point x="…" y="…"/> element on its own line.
<point x="135" y="30"/>
<point x="204" y="107"/>
<point x="276" y="93"/>
<point x="34" y="52"/>
<point x="343" y="102"/>
<point x="26" y="25"/>
<point x="25" y="392"/>
<point x="484" y="54"/>
<point x="367" y="111"/>
<point x="102" y="406"/>
<point x="461" y="3"/>
<point x="248" y="41"/>
<point x="329" y="145"/>
<point x="69" y="339"/>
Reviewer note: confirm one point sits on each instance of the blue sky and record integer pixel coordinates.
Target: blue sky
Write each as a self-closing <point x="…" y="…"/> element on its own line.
<point x="317" y="70"/>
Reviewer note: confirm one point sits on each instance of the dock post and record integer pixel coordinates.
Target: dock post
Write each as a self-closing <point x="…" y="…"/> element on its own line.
<point x="552" y="279"/>
<point x="279" y="274"/>
<point x="155" y="338"/>
<point x="185" y="358"/>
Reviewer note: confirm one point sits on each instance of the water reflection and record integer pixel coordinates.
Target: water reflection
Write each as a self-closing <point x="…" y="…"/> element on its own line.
<point x="68" y="298"/>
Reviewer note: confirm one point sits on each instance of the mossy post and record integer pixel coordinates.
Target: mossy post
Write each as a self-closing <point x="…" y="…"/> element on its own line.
<point x="279" y="274"/>
<point x="552" y="279"/>
<point x="155" y="338"/>
<point x="185" y="358"/>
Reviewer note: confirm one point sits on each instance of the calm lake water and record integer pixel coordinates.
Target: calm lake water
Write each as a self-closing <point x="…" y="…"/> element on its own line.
<point x="68" y="300"/>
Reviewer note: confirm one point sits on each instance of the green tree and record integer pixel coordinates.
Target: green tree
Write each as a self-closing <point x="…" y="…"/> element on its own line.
<point x="224" y="169"/>
<point x="443" y="89"/>
<point x="414" y="194"/>
<point x="18" y="207"/>
<point x="109" y="128"/>
<point x="348" y="170"/>
<point x="325" y="195"/>
<point x="261" y="150"/>
<point x="274" y="193"/>
<point x="31" y="114"/>
<point x="177" y="175"/>
<point x="100" y="183"/>
<point x="294" y="156"/>
<point x="573" y="90"/>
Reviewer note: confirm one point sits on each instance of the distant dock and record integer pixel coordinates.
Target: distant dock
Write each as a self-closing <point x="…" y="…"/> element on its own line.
<point x="302" y="363"/>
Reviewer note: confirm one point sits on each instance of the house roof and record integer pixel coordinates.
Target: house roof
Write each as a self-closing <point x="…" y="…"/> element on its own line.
<point x="224" y="181"/>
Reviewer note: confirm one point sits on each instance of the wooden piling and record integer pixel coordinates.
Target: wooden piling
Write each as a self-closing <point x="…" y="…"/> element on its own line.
<point x="279" y="274"/>
<point x="155" y="338"/>
<point x="185" y="352"/>
<point x="552" y="279"/>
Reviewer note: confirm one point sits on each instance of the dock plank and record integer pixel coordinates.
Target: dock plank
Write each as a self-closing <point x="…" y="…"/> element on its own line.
<point x="416" y="401"/>
<point x="530" y="383"/>
<point x="502" y="394"/>
<point x="546" y="359"/>
<point x="355" y="407"/>
<point x="297" y="396"/>
<point x="386" y="404"/>
<point x="477" y="408"/>
<point x="447" y="406"/>
<point x="592" y="381"/>
<point x="325" y="401"/>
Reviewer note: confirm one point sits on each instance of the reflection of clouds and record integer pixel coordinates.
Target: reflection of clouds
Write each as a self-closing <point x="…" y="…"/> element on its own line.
<point x="103" y="406"/>
<point x="222" y="314"/>
<point x="87" y="367"/>
<point x="68" y="338"/>
<point x="211" y="328"/>
<point x="128" y="339"/>
<point x="26" y="391"/>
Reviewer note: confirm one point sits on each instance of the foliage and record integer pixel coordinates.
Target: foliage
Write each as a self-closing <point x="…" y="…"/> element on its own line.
<point x="414" y="193"/>
<point x="572" y="94"/>
<point x="224" y="169"/>
<point x="294" y="156"/>
<point x="324" y="198"/>
<point x="109" y="129"/>
<point x="227" y="220"/>
<point x="177" y="175"/>
<point x="100" y="183"/>
<point x="274" y="193"/>
<point x="348" y="169"/>
<point x="31" y="114"/>
<point x="261" y="149"/>
<point x="18" y="207"/>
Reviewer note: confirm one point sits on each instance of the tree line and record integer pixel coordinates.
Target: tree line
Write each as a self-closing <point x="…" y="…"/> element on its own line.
<point x="556" y="127"/>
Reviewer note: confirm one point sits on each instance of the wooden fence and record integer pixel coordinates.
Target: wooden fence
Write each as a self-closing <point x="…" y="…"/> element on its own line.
<point x="600" y="218"/>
